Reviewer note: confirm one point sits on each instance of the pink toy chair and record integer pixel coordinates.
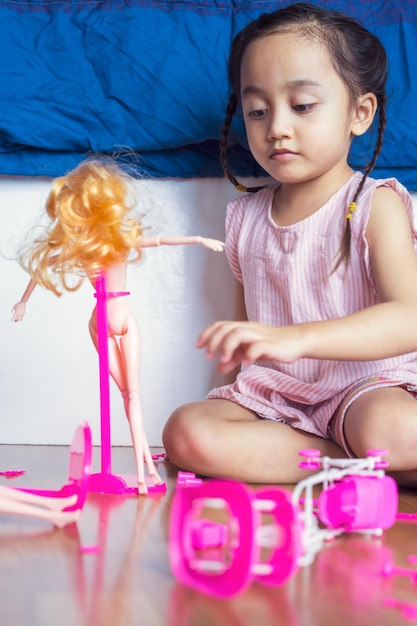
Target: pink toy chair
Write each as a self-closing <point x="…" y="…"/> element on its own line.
<point x="221" y="558"/>
<point x="359" y="503"/>
<point x="78" y="471"/>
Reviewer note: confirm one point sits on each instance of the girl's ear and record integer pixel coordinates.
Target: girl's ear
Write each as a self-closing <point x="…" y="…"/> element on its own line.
<point x="364" y="113"/>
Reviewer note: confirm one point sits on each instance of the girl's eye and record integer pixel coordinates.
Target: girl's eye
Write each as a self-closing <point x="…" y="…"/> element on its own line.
<point x="302" y="108"/>
<point x="257" y="114"/>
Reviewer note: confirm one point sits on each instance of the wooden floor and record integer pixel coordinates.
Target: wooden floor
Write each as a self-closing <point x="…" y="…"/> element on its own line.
<point x="49" y="577"/>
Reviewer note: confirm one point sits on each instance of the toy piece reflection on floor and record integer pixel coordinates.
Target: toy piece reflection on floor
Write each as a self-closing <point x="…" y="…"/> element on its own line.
<point x="93" y="233"/>
<point x="63" y="506"/>
<point x="224" y="535"/>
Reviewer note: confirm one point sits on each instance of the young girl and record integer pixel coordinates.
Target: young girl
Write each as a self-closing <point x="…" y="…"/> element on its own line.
<point x="92" y="232"/>
<point x="325" y="328"/>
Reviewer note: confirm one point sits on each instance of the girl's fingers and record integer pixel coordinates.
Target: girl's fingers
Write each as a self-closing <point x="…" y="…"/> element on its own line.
<point x="212" y="336"/>
<point x="239" y="339"/>
<point x="205" y="335"/>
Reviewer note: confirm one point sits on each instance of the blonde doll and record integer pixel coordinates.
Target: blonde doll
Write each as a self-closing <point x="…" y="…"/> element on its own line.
<point x="94" y="232"/>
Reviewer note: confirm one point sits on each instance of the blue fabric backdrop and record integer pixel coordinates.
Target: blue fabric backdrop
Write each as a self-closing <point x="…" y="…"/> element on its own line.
<point x="89" y="76"/>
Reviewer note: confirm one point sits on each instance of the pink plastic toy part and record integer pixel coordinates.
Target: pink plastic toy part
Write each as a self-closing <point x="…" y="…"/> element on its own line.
<point x="359" y="503"/>
<point x="59" y="507"/>
<point x="79" y="470"/>
<point x="407" y="517"/>
<point x="105" y="481"/>
<point x="188" y="479"/>
<point x="389" y="569"/>
<point x="224" y="535"/>
<point x="160" y="456"/>
<point x="408" y="611"/>
<point x="356" y="496"/>
<point x="12" y="473"/>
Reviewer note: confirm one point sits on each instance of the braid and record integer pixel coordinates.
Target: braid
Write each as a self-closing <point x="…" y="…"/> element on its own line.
<point x="224" y="160"/>
<point x="344" y="252"/>
<point x="230" y="111"/>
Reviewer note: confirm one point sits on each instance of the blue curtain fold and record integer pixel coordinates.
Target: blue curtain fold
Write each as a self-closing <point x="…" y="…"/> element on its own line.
<point x="151" y="77"/>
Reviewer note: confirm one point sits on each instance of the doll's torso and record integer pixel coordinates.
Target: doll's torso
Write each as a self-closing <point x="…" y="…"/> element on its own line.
<point x="117" y="303"/>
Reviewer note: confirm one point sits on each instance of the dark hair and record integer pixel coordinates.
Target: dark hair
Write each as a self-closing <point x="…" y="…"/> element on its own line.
<point x="357" y="56"/>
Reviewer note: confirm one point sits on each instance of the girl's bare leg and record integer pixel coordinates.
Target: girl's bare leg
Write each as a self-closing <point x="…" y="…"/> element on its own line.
<point x="386" y="418"/>
<point x="221" y="439"/>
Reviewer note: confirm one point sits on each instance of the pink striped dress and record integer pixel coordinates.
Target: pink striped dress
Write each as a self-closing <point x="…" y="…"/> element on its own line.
<point x="287" y="278"/>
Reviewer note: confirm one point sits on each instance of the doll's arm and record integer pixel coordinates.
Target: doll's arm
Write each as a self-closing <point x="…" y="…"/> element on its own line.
<point x="19" y="309"/>
<point x="211" y="244"/>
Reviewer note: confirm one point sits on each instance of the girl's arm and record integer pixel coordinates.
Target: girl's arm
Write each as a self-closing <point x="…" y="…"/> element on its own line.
<point x="150" y="242"/>
<point x="381" y="331"/>
<point x="19" y="309"/>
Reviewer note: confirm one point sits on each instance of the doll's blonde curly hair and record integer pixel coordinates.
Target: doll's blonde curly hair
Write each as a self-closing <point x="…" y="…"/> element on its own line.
<point x="92" y="226"/>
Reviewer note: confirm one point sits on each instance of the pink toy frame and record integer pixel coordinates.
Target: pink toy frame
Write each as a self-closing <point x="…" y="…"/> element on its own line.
<point x="260" y="537"/>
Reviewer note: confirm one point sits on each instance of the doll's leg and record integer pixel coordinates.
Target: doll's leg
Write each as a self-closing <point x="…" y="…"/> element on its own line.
<point x="131" y="354"/>
<point x="156" y="479"/>
<point x="133" y="397"/>
<point x="124" y="365"/>
<point x="134" y="416"/>
<point x="14" y="507"/>
<point x="116" y="365"/>
<point x="53" y="504"/>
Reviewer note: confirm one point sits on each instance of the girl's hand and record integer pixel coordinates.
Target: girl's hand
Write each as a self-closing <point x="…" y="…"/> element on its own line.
<point x="18" y="311"/>
<point x="212" y="244"/>
<point x="247" y="342"/>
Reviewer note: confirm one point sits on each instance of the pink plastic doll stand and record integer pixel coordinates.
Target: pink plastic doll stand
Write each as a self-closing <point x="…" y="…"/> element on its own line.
<point x="105" y="481"/>
<point x="257" y="537"/>
<point x="78" y="472"/>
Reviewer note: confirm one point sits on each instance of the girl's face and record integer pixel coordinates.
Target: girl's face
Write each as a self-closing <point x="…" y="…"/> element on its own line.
<point x="298" y="113"/>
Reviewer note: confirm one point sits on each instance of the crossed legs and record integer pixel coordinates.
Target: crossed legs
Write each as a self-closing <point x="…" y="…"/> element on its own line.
<point x="219" y="438"/>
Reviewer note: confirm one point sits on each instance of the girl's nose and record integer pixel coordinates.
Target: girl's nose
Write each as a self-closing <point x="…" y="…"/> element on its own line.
<point x="279" y="126"/>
